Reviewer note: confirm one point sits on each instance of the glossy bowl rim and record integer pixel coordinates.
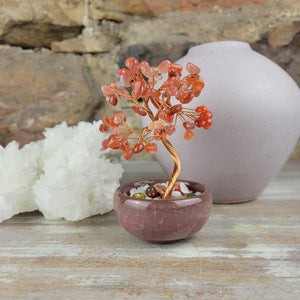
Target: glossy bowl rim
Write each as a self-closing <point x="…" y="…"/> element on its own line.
<point x="206" y="191"/>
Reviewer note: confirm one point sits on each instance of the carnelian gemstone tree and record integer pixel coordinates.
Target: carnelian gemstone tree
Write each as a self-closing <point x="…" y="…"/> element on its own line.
<point x="140" y="84"/>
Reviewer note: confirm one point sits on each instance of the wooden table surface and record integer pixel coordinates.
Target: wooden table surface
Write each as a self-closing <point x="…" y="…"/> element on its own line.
<point x="245" y="251"/>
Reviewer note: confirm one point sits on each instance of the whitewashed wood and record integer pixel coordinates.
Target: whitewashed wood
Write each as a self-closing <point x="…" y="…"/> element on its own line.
<point x="245" y="251"/>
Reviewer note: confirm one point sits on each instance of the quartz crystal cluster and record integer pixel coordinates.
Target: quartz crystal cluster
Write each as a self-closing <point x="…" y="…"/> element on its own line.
<point x="19" y="172"/>
<point x="64" y="175"/>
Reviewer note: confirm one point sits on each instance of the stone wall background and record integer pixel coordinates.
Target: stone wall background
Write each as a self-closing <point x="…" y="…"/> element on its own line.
<point x="55" y="55"/>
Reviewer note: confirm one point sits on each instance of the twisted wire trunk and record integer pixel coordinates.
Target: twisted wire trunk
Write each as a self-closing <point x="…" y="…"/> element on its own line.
<point x="176" y="169"/>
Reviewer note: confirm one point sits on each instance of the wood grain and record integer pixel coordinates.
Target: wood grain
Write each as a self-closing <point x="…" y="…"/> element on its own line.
<point x="245" y="251"/>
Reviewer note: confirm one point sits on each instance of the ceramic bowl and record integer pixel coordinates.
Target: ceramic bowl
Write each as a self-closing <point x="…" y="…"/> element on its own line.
<point x="162" y="220"/>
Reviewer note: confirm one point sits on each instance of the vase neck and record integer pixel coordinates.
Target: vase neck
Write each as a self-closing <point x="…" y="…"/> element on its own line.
<point x="224" y="45"/>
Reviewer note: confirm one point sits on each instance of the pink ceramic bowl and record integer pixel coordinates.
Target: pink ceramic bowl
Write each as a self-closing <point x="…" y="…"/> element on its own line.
<point x="162" y="220"/>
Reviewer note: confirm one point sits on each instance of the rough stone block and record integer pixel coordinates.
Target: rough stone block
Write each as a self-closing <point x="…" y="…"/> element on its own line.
<point x="283" y="35"/>
<point x="41" y="89"/>
<point x="84" y="45"/>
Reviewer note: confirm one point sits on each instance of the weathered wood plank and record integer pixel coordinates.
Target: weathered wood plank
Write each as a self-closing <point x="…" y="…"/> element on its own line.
<point x="245" y="251"/>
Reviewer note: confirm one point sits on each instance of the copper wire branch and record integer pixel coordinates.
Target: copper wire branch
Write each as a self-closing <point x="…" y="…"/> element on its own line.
<point x="176" y="169"/>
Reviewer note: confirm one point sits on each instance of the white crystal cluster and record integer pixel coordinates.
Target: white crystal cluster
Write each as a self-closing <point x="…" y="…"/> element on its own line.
<point x="64" y="176"/>
<point x="18" y="174"/>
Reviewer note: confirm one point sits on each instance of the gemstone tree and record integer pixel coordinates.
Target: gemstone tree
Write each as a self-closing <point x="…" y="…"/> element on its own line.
<point x="139" y="85"/>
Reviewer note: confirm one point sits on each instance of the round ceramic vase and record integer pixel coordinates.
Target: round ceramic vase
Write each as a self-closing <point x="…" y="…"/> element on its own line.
<point x="256" y="122"/>
<point x="162" y="221"/>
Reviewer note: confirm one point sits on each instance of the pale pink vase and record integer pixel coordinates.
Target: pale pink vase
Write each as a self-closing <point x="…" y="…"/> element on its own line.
<point x="256" y="122"/>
